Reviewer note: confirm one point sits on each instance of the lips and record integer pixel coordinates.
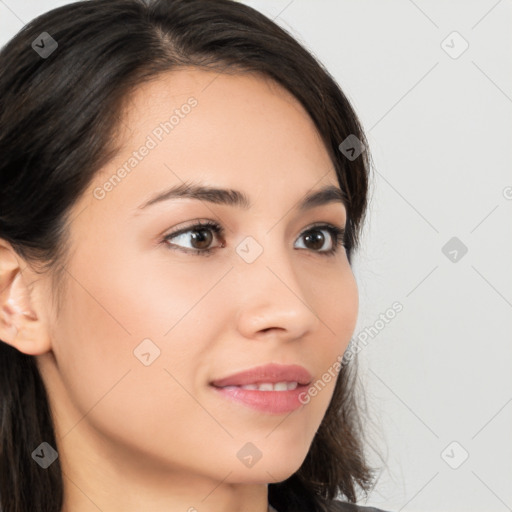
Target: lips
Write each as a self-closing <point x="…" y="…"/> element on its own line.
<point x="271" y="389"/>
<point x="270" y="373"/>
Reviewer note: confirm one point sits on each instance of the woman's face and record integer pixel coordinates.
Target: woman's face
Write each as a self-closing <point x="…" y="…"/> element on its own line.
<point x="147" y="324"/>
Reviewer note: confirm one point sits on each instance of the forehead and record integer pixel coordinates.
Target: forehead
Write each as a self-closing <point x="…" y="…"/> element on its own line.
<point x="230" y="110"/>
<point x="241" y="131"/>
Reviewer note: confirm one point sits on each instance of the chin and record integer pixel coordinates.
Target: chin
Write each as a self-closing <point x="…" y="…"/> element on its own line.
<point x="272" y="470"/>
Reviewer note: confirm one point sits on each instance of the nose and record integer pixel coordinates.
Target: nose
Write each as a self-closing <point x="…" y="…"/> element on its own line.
<point x="271" y="297"/>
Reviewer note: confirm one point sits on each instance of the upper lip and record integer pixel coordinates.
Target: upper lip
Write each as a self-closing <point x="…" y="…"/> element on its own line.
<point x="268" y="373"/>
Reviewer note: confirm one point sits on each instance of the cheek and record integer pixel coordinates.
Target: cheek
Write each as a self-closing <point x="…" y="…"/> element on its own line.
<point x="337" y="305"/>
<point x="340" y="305"/>
<point x="118" y="309"/>
<point x="99" y="328"/>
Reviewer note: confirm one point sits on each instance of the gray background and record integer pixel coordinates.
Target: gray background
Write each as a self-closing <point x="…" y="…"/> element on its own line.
<point x="437" y="376"/>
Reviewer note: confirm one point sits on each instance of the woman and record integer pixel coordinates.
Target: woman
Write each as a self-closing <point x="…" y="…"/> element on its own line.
<point x="136" y="137"/>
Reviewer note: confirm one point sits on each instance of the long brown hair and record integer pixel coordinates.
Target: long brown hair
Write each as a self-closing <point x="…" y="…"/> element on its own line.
<point x="58" y="116"/>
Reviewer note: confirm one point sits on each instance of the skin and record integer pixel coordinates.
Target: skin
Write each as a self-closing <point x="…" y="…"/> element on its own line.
<point x="133" y="437"/>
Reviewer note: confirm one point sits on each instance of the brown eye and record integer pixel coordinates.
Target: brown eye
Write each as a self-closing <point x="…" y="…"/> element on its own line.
<point x="315" y="239"/>
<point x="196" y="239"/>
<point x="201" y="238"/>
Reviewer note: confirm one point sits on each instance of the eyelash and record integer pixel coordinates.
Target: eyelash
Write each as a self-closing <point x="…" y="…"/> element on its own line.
<point x="336" y="233"/>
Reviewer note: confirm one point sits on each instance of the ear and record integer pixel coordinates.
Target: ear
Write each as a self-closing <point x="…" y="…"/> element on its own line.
<point x="22" y="319"/>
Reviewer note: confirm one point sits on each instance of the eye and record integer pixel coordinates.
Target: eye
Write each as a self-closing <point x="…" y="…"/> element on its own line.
<point x="315" y="238"/>
<point x="200" y="240"/>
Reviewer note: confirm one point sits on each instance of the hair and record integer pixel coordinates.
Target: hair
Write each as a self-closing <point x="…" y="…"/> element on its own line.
<point x="59" y="117"/>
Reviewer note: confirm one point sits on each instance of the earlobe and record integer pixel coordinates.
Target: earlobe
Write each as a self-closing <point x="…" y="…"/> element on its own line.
<point x="21" y="325"/>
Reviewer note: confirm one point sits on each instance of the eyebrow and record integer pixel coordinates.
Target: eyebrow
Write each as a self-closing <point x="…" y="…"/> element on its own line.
<point x="236" y="198"/>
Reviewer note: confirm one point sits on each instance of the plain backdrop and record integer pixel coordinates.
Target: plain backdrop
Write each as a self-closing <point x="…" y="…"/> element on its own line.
<point x="432" y="84"/>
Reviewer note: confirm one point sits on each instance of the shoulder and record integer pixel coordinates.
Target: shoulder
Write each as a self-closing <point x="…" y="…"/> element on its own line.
<point x="340" y="506"/>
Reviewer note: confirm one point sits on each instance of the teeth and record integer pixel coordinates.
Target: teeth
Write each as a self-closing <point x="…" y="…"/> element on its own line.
<point x="250" y="386"/>
<point x="268" y="386"/>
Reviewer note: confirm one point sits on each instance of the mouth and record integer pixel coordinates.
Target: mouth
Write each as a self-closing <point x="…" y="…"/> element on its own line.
<point x="266" y="386"/>
<point x="278" y="375"/>
<point x="272" y="388"/>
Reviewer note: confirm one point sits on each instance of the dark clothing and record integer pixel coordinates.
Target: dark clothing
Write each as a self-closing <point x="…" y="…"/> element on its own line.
<point x="338" y="506"/>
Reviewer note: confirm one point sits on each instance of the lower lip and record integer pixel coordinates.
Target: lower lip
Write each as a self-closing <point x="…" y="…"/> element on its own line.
<point x="274" y="402"/>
